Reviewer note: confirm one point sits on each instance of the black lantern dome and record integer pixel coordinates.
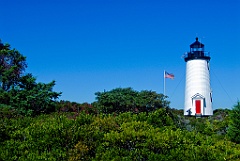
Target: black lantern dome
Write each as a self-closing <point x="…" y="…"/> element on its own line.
<point x="197" y="52"/>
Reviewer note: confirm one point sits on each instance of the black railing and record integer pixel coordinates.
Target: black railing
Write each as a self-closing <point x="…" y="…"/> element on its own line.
<point x="197" y="55"/>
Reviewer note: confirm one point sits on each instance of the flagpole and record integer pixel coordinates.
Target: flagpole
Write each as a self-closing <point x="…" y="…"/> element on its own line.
<point x="164" y="82"/>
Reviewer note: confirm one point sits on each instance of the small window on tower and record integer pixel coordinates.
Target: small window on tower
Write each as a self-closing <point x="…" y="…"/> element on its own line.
<point x="211" y="96"/>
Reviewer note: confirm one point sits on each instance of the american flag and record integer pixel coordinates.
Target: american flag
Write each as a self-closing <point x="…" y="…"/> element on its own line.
<point x="168" y="75"/>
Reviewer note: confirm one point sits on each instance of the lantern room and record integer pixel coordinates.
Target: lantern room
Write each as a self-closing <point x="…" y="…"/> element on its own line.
<point x="197" y="52"/>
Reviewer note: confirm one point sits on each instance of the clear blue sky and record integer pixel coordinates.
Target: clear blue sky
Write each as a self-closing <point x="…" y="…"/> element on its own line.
<point x="91" y="45"/>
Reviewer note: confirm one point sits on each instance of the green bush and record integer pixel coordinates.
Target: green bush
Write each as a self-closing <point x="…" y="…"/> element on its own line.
<point x="128" y="100"/>
<point x="36" y="138"/>
<point x="141" y="141"/>
<point x="234" y="125"/>
<point x="127" y="136"/>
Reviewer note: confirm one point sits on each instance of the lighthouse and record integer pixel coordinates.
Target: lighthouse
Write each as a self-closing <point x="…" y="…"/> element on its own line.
<point x="198" y="95"/>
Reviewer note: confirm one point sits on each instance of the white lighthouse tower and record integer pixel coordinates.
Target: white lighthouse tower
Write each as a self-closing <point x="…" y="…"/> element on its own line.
<point x="198" y="96"/>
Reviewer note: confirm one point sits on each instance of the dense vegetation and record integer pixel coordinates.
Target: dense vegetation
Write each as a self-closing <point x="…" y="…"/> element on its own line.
<point x="158" y="135"/>
<point x="234" y="125"/>
<point x="123" y="124"/>
<point x="126" y="99"/>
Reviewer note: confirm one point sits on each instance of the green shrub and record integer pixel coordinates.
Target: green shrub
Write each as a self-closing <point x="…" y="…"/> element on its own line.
<point x="234" y="125"/>
<point x="127" y="136"/>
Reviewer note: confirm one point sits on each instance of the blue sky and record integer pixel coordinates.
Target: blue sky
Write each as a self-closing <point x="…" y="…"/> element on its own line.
<point x="95" y="45"/>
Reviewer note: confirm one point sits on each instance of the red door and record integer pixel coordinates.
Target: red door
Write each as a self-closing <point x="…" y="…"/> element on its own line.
<point x="198" y="106"/>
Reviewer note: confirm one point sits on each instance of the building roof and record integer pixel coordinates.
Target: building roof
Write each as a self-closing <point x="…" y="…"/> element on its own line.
<point x="196" y="44"/>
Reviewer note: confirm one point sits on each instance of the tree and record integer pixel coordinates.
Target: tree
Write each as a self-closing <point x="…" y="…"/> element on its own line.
<point x="116" y="100"/>
<point x="150" y="101"/>
<point x="12" y="66"/>
<point x="234" y="125"/>
<point x="126" y="99"/>
<point x="20" y="90"/>
<point x="30" y="97"/>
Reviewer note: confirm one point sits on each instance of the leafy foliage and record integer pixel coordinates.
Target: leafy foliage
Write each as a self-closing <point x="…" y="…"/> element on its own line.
<point x="127" y="136"/>
<point x="21" y="92"/>
<point x="67" y="106"/>
<point x="33" y="98"/>
<point x="126" y="99"/>
<point x="234" y="127"/>
<point x="140" y="141"/>
<point x="12" y="65"/>
<point x="213" y="126"/>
